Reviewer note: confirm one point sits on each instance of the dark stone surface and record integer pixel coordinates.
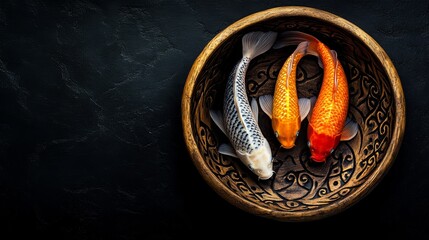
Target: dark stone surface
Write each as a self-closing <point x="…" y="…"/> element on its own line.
<point x="91" y="140"/>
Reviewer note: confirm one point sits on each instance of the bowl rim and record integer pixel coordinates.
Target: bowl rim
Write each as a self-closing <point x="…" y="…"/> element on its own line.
<point x="338" y="22"/>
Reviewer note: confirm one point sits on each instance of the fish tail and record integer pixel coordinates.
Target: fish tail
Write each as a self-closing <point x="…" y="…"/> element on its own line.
<point x="291" y="38"/>
<point x="257" y="43"/>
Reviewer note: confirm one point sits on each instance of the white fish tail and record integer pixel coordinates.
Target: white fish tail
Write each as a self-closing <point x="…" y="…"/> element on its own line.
<point x="257" y="43"/>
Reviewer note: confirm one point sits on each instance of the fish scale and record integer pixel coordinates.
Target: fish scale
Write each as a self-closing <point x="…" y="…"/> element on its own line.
<point x="328" y="123"/>
<point x="238" y="121"/>
<point x="285" y="99"/>
<point x="284" y="108"/>
<point x="330" y="110"/>
<point x="245" y="136"/>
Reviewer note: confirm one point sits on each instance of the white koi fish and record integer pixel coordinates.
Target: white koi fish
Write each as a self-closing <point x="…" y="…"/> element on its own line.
<point x="239" y="121"/>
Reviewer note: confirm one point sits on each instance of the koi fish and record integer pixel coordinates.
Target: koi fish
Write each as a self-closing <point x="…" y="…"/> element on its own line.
<point x="239" y="121"/>
<point x="328" y="121"/>
<point x="285" y="109"/>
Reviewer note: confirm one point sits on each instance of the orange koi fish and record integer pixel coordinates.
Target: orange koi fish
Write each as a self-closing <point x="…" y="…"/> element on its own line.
<point x="285" y="109"/>
<point x="328" y="122"/>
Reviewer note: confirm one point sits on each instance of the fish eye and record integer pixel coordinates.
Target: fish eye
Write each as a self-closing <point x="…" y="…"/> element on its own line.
<point x="308" y="144"/>
<point x="297" y="133"/>
<point x="277" y="134"/>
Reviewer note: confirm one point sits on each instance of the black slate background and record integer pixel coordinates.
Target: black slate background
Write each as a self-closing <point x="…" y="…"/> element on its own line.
<point x="91" y="142"/>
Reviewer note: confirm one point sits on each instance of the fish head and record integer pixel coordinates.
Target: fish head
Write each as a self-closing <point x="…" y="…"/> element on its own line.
<point x="319" y="154"/>
<point x="259" y="161"/>
<point x="286" y="131"/>
<point x="321" y="145"/>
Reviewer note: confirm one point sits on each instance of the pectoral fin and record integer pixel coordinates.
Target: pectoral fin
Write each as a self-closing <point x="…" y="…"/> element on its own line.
<point x="255" y="109"/>
<point x="216" y="116"/>
<point x="227" y="149"/>
<point x="319" y="61"/>
<point x="304" y="107"/>
<point x="266" y="102"/>
<point x="350" y="130"/>
<point x="312" y="103"/>
<point x="224" y="148"/>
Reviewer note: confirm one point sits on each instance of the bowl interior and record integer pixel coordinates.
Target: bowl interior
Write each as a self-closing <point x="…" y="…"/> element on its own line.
<point x="300" y="188"/>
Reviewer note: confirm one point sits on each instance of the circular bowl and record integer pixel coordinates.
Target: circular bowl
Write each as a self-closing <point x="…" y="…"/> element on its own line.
<point x="300" y="189"/>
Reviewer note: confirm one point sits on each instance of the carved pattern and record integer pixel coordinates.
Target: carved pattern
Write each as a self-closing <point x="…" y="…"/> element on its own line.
<point x="299" y="184"/>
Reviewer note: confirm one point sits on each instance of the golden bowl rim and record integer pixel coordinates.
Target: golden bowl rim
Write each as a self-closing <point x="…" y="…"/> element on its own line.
<point x="340" y="23"/>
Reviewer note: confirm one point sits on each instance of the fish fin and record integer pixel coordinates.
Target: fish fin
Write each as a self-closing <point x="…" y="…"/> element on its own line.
<point x="257" y="43"/>
<point x="227" y="149"/>
<point x="304" y="107"/>
<point x="255" y="109"/>
<point x="349" y="131"/>
<point x="319" y="61"/>
<point x="312" y="51"/>
<point x="302" y="48"/>
<point x="336" y="62"/>
<point x="312" y="103"/>
<point x="290" y="38"/>
<point x="289" y="69"/>
<point x="216" y="116"/>
<point x="266" y="102"/>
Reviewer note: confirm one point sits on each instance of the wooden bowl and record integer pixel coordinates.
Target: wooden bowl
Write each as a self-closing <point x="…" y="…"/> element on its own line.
<point x="300" y="189"/>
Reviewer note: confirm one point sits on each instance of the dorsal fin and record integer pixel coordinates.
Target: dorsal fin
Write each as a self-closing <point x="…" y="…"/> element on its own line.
<point x="335" y="59"/>
<point x="289" y="69"/>
<point x="301" y="48"/>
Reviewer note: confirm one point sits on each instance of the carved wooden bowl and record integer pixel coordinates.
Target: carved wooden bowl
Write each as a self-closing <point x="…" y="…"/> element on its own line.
<point x="300" y="189"/>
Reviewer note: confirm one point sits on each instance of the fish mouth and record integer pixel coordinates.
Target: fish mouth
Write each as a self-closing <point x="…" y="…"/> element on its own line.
<point x="288" y="146"/>
<point x="318" y="158"/>
<point x="266" y="177"/>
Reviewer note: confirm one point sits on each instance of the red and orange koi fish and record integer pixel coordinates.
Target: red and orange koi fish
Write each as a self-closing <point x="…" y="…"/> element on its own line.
<point x="328" y="121"/>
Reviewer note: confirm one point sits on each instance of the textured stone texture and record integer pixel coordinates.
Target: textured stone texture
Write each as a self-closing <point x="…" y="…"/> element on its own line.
<point x="91" y="141"/>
